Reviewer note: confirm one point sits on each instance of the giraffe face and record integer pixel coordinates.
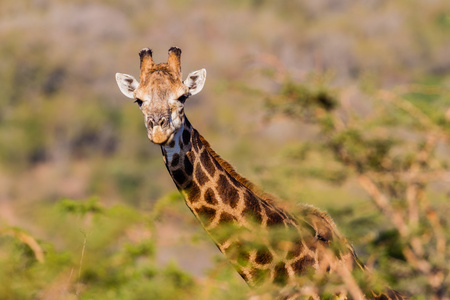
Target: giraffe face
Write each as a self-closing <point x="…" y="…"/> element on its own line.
<point x="161" y="94"/>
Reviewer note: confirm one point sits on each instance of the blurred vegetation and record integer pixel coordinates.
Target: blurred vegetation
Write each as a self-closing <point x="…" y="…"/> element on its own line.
<point x="344" y="105"/>
<point x="399" y="174"/>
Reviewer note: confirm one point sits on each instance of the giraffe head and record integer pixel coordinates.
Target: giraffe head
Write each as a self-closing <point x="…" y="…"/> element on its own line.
<point x="161" y="93"/>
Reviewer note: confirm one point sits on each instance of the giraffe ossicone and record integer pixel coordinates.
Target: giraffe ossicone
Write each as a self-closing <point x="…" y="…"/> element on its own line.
<point x="262" y="241"/>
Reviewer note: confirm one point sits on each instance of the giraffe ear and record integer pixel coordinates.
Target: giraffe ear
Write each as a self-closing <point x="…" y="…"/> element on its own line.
<point x="127" y="84"/>
<point x="195" y="81"/>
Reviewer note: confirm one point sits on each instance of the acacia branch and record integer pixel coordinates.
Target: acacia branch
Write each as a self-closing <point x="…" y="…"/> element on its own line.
<point x="383" y="204"/>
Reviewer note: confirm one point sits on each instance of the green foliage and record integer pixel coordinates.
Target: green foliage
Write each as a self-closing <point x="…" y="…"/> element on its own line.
<point x="117" y="265"/>
<point x="365" y="153"/>
<point x="394" y="177"/>
<point x="302" y="101"/>
<point x="80" y="207"/>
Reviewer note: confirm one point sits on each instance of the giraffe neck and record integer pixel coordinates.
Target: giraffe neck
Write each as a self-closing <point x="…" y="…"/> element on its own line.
<point x="208" y="185"/>
<point x="220" y="198"/>
<point x="213" y="195"/>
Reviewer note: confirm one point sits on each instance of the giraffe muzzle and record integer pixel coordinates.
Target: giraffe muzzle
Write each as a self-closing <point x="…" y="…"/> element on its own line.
<point x="159" y="129"/>
<point x="157" y="135"/>
<point x="160" y="135"/>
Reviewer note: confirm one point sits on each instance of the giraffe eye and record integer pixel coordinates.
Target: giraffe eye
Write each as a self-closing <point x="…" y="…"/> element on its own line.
<point x="183" y="97"/>
<point x="139" y="102"/>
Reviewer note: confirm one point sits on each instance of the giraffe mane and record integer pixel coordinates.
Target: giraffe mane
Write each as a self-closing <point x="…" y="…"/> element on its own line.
<point x="230" y="169"/>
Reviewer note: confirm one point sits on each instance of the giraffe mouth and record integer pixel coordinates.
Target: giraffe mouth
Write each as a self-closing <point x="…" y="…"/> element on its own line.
<point x="159" y="136"/>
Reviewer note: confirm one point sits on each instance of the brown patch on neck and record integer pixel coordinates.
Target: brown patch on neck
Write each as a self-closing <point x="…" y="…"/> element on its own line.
<point x="229" y="168"/>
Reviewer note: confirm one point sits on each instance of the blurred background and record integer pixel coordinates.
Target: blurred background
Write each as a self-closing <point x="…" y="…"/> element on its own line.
<point x="87" y="208"/>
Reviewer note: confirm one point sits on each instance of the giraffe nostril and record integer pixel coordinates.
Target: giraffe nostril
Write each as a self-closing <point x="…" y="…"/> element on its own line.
<point x="162" y="122"/>
<point x="150" y="124"/>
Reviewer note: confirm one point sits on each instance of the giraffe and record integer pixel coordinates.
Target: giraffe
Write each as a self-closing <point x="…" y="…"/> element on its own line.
<point x="263" y="242"/>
